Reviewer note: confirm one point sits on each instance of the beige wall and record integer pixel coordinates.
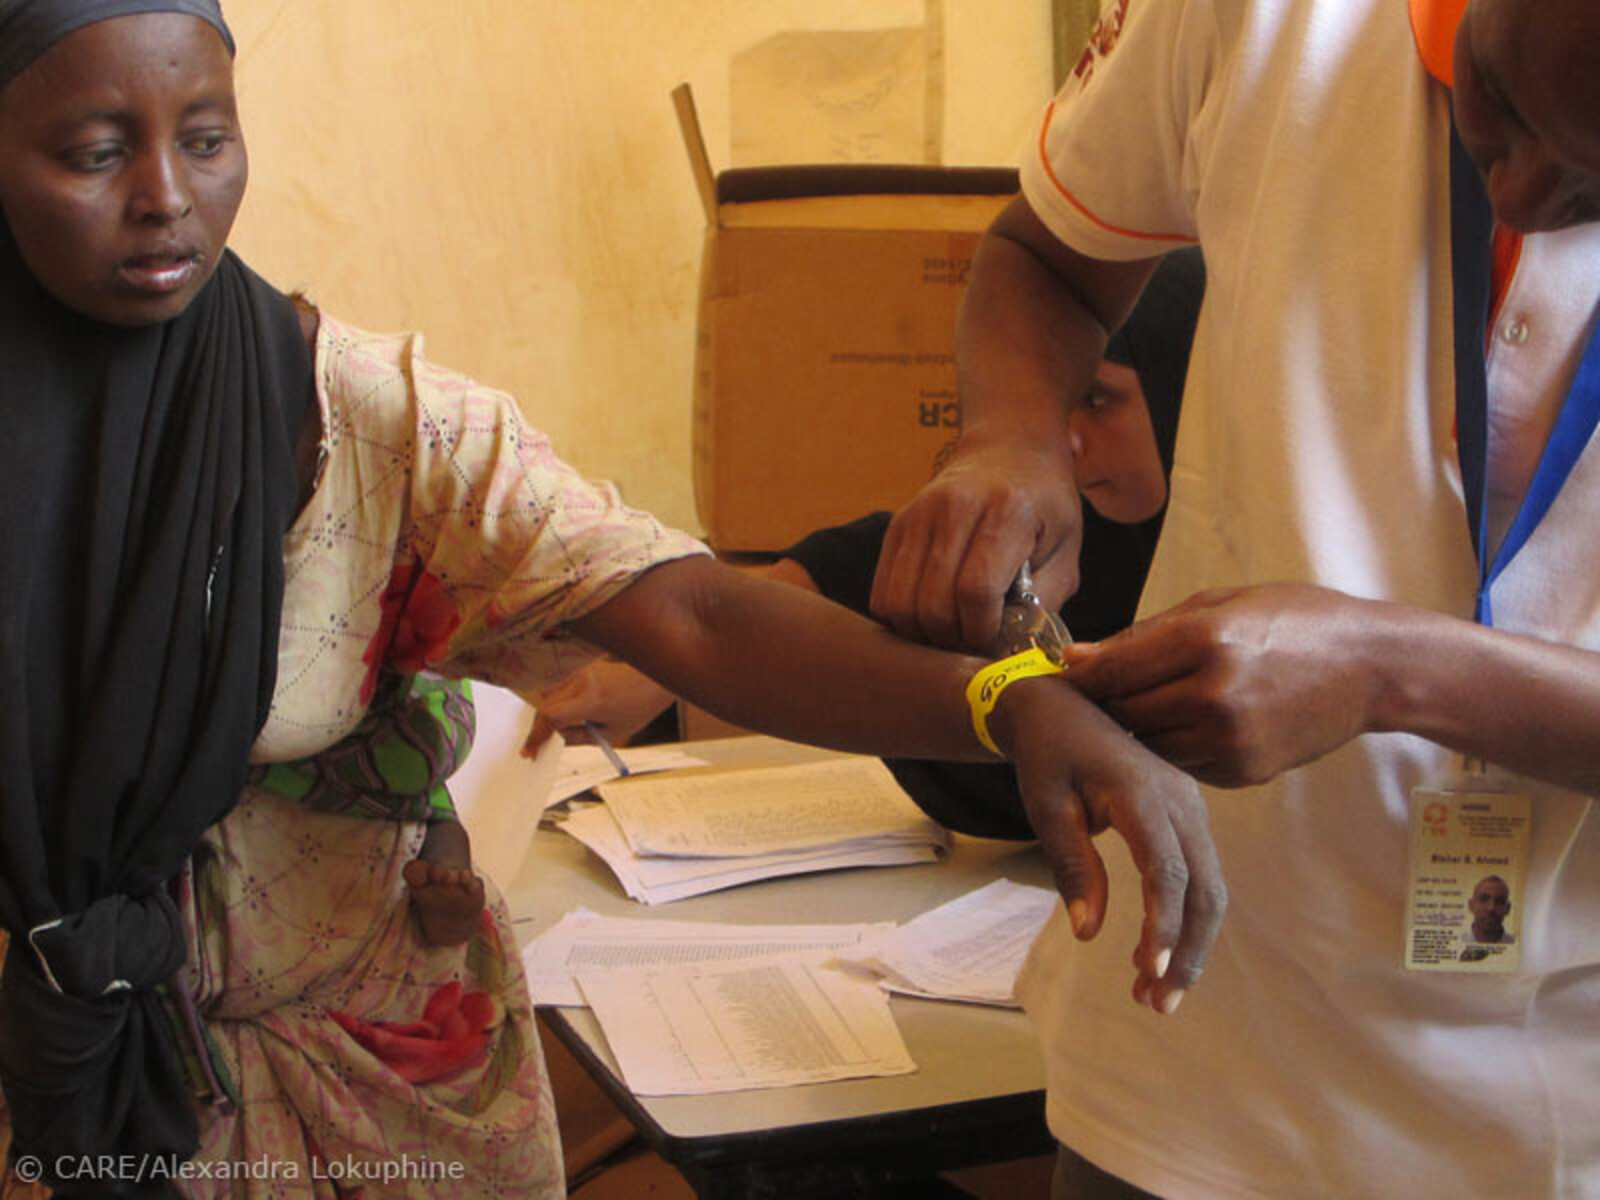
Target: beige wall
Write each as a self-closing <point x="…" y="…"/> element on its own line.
<point x="507" y="176"/>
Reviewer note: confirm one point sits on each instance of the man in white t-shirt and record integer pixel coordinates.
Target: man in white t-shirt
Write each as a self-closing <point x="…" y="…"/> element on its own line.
<point x="1330" y="663"/>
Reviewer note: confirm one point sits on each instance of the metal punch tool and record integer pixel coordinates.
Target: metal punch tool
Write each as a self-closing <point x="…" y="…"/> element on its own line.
<point x="1026" y="622"/>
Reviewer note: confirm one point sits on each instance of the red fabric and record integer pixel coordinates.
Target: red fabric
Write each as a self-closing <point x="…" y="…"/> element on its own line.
<point x="452" y="1035"/>
<point x="419" y="618"/>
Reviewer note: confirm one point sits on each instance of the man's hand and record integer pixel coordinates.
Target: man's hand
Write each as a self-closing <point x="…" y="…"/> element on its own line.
<point x="1032" y="327"/>
<point x="1080" y="774"/>
<point x="950" y="554"/>
<point x="1238" y="685"/>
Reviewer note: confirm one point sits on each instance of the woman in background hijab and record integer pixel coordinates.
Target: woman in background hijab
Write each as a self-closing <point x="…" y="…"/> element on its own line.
<point x="235" y="528"/>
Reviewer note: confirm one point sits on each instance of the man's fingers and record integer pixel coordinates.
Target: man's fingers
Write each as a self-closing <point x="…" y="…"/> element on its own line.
<point x="997" y="551"/>
<point x="1136" y="660"/>
<point x="1078" y="652"/>
<point x="938" y="597"/>
<point x="914" y="587"/>
<point x="899" y="569"/>
<point x="1004" y="538"/>
<point x="1056" y="578"/>
<point x="1164" y="712"/>
<point x="1157" y="650"/>
<point x="950" y="554"/>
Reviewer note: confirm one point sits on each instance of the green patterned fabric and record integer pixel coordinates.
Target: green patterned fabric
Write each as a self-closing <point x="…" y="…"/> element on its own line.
<point x="393" y="765"/>
<point x="208" y="1076"/>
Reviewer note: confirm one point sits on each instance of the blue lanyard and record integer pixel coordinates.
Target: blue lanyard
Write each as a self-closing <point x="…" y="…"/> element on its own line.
<point x="1471" y="230"/>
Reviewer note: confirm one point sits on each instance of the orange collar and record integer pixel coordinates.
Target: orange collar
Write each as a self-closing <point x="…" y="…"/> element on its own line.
<point x="1433" y="24"/>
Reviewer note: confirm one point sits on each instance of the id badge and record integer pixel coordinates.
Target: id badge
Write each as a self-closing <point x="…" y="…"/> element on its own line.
<point x="1467" y="865"/>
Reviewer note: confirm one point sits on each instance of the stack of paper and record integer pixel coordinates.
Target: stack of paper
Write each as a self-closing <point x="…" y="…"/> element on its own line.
<point x="969" y="949"/>
<point x="667" y="837"/>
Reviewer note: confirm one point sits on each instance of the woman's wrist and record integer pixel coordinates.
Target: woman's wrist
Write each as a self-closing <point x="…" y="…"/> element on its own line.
<point x="1046" y="701"/>
<point x="991" y="681"/>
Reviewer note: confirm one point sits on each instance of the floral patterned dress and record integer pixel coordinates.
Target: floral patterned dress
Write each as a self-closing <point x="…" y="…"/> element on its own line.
<point x="343" y="1056"/>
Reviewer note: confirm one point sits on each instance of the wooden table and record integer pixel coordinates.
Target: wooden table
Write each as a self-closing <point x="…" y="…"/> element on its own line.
<point x="977" y="1095"/>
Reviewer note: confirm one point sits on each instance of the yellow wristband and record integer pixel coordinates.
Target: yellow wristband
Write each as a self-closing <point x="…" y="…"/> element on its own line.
<point x="984" y="688"/>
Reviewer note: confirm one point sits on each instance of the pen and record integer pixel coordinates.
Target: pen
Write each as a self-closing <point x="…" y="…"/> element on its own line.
<point x="606" y="748"/>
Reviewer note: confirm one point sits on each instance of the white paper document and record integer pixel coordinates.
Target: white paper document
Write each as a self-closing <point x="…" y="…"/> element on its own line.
<point x="584" y="767"/>
<point x="498" y="793"/>
<point x="730" y="1026"/>
<point x="769" y="810"/>
<point x="969" y="949"/>
<point x="662" y="880"/>
<point x="586" y="941"/>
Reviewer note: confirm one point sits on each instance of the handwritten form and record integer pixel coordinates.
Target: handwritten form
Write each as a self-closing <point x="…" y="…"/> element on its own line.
<point x="726" y="1027"/>
<point x="668" y="837"/>
<point x="835" y="802"/>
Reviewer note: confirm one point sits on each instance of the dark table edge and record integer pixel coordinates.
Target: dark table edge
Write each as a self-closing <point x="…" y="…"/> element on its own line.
<point x="996" y="1127"/>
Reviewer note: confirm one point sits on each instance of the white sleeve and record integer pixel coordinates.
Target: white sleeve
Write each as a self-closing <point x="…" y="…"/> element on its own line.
<point x="1114" y="170"/>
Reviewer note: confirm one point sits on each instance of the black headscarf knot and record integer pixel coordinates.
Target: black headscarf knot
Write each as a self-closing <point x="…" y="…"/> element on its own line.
<point x="116" y="944"/>
<point x="85" y="1047"/>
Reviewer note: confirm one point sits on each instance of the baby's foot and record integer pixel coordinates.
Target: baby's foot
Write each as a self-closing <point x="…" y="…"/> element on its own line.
<point x="447" y="901"/>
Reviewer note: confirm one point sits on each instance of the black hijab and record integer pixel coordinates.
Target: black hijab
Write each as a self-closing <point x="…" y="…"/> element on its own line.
<point x="146" y="483"/>
<point x="1157" y="337"/>
<point x="30" y="27"/>
<point x="1155" y="341"/>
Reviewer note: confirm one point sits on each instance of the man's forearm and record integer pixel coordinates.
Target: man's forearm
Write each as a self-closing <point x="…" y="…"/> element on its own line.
<point x="1529" y="705"/>
<point x="1033" y="325"/>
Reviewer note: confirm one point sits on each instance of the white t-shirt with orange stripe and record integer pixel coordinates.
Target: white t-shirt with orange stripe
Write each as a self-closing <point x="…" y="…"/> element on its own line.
<point x="1306" y="148"/>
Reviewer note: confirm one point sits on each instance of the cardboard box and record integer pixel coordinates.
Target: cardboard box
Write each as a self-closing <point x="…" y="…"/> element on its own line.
<point x="825" y="381"/>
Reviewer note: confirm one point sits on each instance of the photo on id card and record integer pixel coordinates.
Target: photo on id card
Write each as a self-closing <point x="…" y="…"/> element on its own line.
<point x="1467" y="861"/>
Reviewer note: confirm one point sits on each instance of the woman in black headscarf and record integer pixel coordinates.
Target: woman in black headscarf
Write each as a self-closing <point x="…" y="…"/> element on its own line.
<point x="234" y="530"/>
<point x="159" y="997"/>
<point x="153" y="388"/>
